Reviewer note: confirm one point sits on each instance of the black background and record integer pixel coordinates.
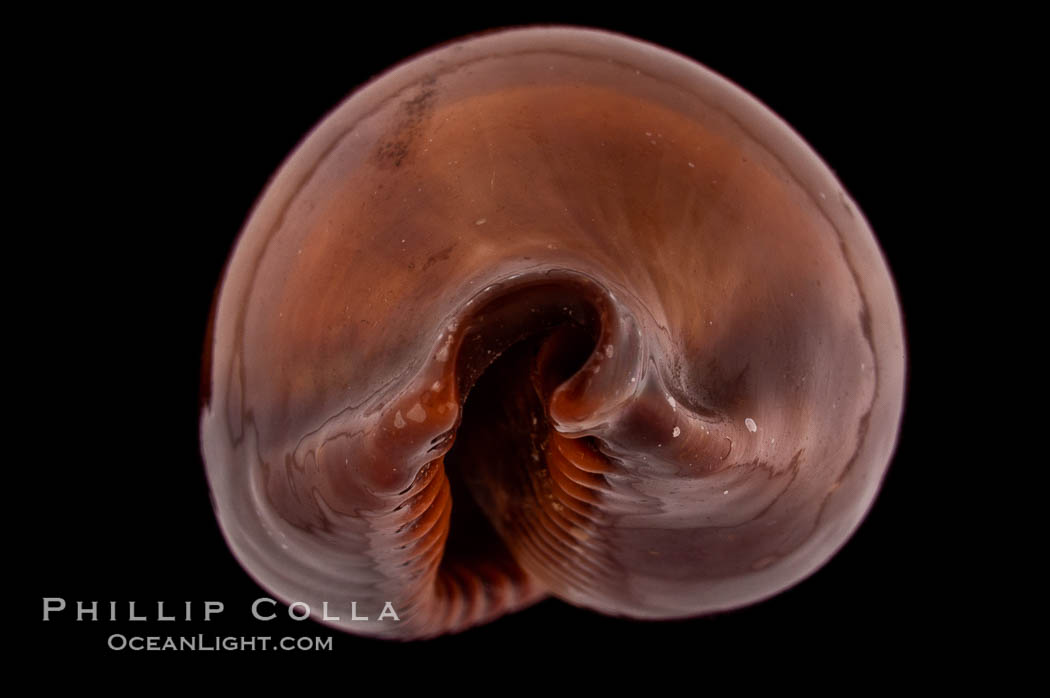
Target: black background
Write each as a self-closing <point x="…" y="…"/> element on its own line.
<point x="158" y="139"/>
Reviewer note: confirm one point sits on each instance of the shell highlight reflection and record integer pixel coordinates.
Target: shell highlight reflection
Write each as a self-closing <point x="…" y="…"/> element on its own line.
<point x="548" y="312"/>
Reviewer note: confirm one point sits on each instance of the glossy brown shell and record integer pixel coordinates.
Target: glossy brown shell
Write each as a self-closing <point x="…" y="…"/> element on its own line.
<point x="656" y="334"/>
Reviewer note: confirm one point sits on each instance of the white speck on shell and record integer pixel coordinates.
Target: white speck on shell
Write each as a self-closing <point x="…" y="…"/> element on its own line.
<point x="417" y="413"/>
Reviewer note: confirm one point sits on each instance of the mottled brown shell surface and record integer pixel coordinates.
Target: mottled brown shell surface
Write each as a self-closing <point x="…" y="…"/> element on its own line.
<point x="548" y="312"/>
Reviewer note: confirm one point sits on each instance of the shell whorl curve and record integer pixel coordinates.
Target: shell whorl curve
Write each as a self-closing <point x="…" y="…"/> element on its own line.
<point x="548" y="312"/>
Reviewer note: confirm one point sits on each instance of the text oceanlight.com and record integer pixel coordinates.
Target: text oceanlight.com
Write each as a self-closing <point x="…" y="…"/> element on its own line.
<point x="216" y="643"/>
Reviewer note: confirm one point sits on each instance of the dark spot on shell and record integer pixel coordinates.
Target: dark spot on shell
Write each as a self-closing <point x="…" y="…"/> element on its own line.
<point x="413" y="113"/>
<point x="439" y="256"/>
